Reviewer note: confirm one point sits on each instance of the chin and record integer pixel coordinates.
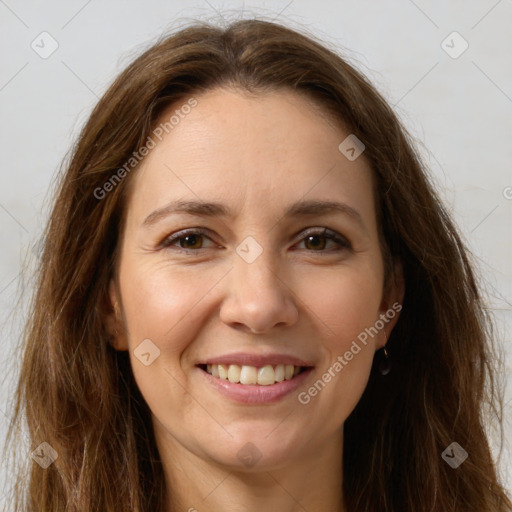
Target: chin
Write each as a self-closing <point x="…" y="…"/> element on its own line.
<point x="255" y="450"/>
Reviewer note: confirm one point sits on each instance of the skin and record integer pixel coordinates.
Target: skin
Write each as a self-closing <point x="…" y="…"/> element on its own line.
<point x="306" y="297"/>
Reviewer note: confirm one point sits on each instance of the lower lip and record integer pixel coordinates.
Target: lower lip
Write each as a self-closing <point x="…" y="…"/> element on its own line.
<point x="256" y="394"/>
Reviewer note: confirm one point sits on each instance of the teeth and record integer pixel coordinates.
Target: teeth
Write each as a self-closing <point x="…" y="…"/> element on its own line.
<point x="279" y="373"/>
<point x="248" y="375"/>
<point x="234" y="373"/>
<point x="263" y="376"/>
<point x="266" y="376"/>
<point x="223" y="372"/>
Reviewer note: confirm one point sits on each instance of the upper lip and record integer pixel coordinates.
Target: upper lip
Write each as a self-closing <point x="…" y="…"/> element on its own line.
<point x="245" y="358"/>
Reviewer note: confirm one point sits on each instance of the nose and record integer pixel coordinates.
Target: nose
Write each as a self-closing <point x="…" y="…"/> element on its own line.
<point x="258" y="298"/>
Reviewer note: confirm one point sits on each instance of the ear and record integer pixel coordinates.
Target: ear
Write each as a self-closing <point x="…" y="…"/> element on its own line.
<point x="113" y="318"/>
<point x="391" y="304"/>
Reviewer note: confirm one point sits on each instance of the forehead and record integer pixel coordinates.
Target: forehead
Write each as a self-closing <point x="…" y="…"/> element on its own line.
<point x="263" y="151"/>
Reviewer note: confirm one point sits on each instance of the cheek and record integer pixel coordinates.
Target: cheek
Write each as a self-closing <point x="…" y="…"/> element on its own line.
<point x="346" y="301"/>
<point x="346" y="306"/>
<point x="170" y="304"/>
<point x="162" y="303"/>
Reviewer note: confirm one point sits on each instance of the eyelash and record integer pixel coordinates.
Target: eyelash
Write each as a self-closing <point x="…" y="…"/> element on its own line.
<point x="323" y="232"/>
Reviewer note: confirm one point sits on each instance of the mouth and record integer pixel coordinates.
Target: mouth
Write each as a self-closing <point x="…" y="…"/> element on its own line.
<point x="248" y="375"/>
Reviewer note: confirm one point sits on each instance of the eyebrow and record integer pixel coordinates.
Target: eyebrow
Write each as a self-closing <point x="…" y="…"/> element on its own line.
<point x="201" y="208"/>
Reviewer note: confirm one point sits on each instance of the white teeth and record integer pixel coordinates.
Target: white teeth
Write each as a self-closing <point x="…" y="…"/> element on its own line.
<point x="280" y="372"/>
<point x="248" y="375"/>
<point x="234" y="373"/>
<point x="223" y="372"/>
<point x="263" y="376"/>
<point x="266" y="375"/>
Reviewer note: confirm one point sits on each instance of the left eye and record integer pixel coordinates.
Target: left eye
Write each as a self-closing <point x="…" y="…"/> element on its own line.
<point x="193" y="240"/>
<point x="325" y="234"/>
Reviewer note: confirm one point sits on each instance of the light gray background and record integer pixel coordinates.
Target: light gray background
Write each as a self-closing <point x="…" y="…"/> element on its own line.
<point x="460" y="109"/>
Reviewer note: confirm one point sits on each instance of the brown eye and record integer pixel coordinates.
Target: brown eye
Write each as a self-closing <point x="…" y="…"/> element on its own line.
<point x="187" y="240"/>
<point x="190" y="241"/>
<point x="316" y="241"/>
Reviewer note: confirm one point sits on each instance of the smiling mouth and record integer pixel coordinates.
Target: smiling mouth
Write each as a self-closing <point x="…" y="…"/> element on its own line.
<point x="253" y="375"/>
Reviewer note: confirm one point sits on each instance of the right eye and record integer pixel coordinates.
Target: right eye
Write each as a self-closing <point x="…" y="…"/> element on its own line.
<point x="191" y="237"/>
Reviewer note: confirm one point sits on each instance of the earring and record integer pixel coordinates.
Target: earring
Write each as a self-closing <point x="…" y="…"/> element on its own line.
<point x="385" y="363"/>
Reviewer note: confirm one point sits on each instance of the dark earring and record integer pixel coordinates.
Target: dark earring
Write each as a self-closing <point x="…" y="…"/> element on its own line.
<point x="385" y="363"/>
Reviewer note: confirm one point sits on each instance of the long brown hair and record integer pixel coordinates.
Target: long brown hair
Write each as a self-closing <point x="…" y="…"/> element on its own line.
<point x="78" y="394"/>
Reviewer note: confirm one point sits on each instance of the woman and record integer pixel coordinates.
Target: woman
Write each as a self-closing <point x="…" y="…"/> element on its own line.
<point x="250" y="298"/>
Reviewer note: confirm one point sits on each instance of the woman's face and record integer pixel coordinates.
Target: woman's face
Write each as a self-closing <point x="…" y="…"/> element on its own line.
<point x="242" y="276"/>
